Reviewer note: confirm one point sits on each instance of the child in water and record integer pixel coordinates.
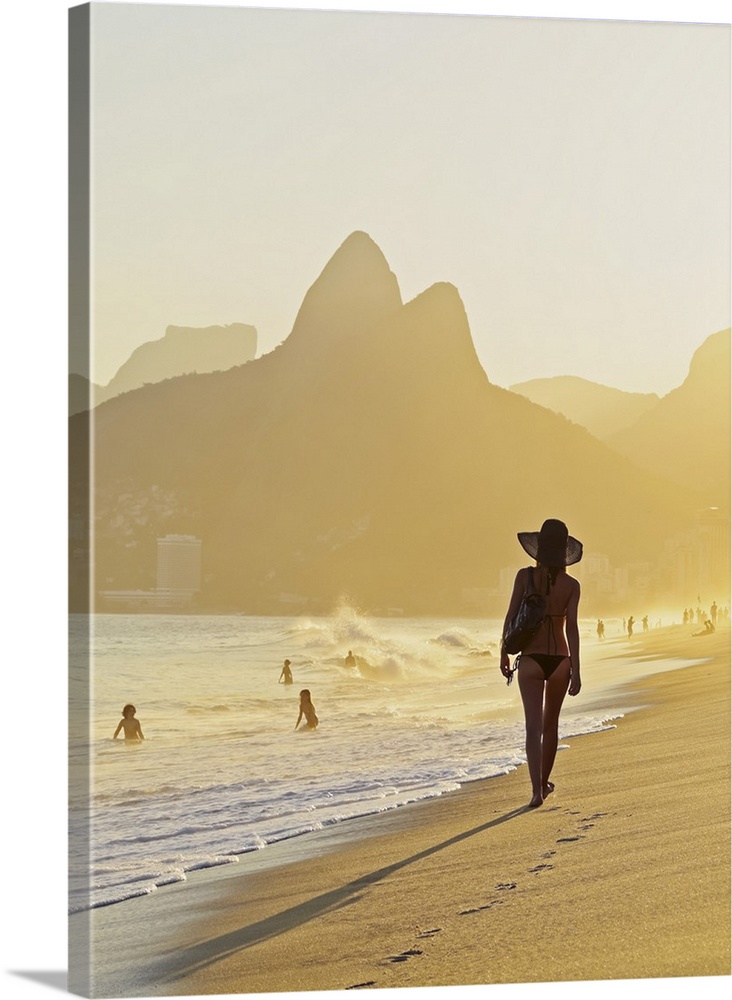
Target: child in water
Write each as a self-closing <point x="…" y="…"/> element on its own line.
<point x="308" y="710"/>
<point x="131" y="726"/>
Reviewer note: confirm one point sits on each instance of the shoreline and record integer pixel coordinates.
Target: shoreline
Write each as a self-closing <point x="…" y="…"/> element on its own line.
<point x="429" y="901"/>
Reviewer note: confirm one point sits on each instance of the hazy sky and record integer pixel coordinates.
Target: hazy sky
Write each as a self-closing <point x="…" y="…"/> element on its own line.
<point x="570" y="177"/>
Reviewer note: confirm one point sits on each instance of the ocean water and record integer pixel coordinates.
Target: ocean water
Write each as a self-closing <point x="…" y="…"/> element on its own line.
<point x="222" y="771"/>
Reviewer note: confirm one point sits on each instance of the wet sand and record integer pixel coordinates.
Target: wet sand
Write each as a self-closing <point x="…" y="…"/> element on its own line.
<point x="623" y="873"/>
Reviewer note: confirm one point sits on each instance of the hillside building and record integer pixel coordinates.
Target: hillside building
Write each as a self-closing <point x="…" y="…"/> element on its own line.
<point x="179" y="565"/>
<point x="178" y="579"/>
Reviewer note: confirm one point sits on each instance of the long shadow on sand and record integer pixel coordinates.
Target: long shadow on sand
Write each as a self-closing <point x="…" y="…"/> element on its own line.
<point x="185" y="961"/>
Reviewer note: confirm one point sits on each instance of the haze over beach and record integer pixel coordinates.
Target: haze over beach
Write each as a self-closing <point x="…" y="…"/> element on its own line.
<point x="665" y="330"/>
<point x="364" y="447"/>
<point x="568" y="177"/>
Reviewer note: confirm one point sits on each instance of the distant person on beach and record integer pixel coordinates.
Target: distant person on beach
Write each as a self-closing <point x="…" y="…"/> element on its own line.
<point x="549" y="663"/>
<point x="686" y="617"/>
<point x="308" y="710"/>
<point x="131" y="725"/>
<point x="286" y="674"/>
<point x="600" y="628"/>
<point x="708" y="628"/>
<point x="350" y="660"/>
<point x="713" y="613"/>
<point x="645" y="623"/>
<point x="631" y="623"/>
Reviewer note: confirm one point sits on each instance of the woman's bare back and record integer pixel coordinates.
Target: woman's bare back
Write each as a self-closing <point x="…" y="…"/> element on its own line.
<point x="551" y="637"/>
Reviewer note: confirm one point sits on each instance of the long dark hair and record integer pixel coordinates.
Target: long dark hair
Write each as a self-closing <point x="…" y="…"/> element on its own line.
<point x="552" y="572"/>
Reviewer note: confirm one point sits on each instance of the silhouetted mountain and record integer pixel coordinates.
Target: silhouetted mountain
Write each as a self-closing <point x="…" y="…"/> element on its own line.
<point x="599" y="408"/>
<point x="184" y="350"/>
<point x="367" y="457"/>
<point x="181" y="351"/>
<point x="686" y="436"/>
<point x="355" y="291"/>
<point x="81" y="393"/>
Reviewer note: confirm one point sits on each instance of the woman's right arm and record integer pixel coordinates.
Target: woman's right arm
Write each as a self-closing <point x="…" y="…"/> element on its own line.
<point x="513" y="606"/>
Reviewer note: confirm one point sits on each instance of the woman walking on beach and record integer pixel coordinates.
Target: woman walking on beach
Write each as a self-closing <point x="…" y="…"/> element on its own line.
<point x="549" y="662"/>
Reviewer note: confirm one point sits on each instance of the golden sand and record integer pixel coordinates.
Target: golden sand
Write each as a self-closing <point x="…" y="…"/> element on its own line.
<point x="623" y="873"/>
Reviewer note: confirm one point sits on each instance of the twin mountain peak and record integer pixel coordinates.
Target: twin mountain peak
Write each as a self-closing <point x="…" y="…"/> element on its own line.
<point x="369" y="456"/>
<point x="355" y="305"/>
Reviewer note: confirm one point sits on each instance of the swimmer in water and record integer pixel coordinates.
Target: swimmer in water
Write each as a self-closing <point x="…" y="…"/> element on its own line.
<point x="286" y="673"/>
<point x="308" y="710"/>
<point x="131" y="725"/>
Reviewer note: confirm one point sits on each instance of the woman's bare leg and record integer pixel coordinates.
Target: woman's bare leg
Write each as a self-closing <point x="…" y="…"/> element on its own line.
<point x="556" y="689"/>
<point x="531" y="686"/>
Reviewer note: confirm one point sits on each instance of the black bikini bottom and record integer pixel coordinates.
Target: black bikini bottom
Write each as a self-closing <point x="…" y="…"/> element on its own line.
<point x="547" y="663"/>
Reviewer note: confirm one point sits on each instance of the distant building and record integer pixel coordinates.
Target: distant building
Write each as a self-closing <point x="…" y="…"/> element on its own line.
<point x="697" y="561"/>
<point x="713" y="541"/>
<point x="179" y="564"/>
<point x="143" y="600"/>
<point x="596" y="575"/>
<point x="178" y="579"/>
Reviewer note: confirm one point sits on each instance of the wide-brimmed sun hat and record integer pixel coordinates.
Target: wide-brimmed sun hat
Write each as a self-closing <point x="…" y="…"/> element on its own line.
<point x="553" y="545"/>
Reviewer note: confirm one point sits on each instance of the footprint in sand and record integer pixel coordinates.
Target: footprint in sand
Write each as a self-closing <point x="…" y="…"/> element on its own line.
<point x="541" y="868"/>
<point x="549" y="854"/>
<point x="404" y="955"/>
<point x="501" y="887"/>
<point x="477" y="909"/>
<point x="569" y="840"/>
<point x="429" y="933"/>
<point x="361" y="986"/>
